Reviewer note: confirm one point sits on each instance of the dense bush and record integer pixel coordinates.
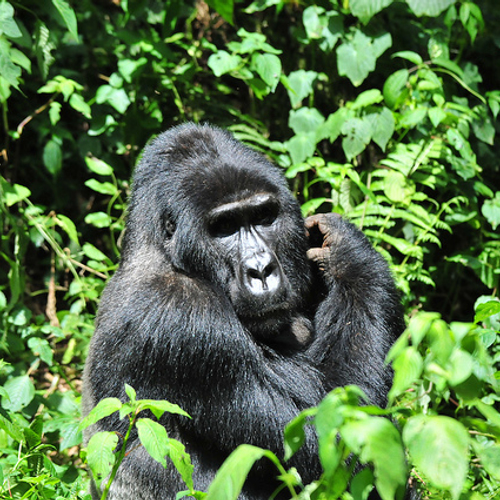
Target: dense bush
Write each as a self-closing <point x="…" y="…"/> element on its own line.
<point x="383" y="110"/>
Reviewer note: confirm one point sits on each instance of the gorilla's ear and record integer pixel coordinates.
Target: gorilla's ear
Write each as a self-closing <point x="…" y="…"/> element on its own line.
<point x="169" y="226"/>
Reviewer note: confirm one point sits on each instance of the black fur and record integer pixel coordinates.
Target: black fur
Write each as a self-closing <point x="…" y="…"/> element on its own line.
<point x="176" y="323"/>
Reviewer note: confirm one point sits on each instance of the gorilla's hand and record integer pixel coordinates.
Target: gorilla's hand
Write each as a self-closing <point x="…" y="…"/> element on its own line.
<point x="323" y="236"/>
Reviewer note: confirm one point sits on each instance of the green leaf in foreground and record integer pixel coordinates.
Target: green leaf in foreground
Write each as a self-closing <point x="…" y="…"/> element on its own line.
<point x="375" y="440"/>
<point x="439" y="447"/>
<point x="103" y="409"/>
<point x="154" y="438"/>
<point x="100" y="456"/>
<point x="231" y="476"/>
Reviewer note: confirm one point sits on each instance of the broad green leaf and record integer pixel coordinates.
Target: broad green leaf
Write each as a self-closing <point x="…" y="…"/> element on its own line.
<point x="222" y="62"/>
<point x="12" y="193"/>
<point x="300" y="85"/>
<point x="375" y="440"/>
<point x="41" y="348"/>
<point x="182" y="462"/>
<point x="8" y="25"/>
<point x="98" y="219"/>
<point x="366" y="9"/>
<point x="52" y="157"/>
<point x="98" y="166"/>
<point x="437" y="115"/>
<point x="20" y="391"/>
<point x="489" y="455"/>
<point x="100" y="456"/>
<point x="68" y="15"/>
<point x="491" y="210"/>
<point x="395" y="88"/>
<point x="301" y="147"/>
<point x="94" y="253"/>
<point x="331" y="129"/>
<point x="367" y="98"/>
<point x="101" y="187"/>
<point x="10" y="72"/>
<point x="231" y="476"/>
<point x="430" y="8"/>
<point x="158" y="408"/>
<point x="357" y="134"/>
<point x="486" y="309"/>
<point x="103" y="409"/>
<point x="154" y="438"/>
<point x="407" y="370"/>
<point x="115" y="97"/>
<point x="357" y="57"/>
<point x="383" y="125"/>
<point x="315" y="21"/>
<point x="268" y="67"/>
<point x="439" y="448"/>
<point x="295" y="435"/>
<point x="305" y="120"/>
<point x="77" y="102"/>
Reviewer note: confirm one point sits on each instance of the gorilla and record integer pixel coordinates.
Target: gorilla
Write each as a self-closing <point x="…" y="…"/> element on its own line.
<point x="231" y="305"/>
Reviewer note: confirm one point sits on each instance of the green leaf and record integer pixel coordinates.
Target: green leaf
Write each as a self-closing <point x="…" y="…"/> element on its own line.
<point x="439" y="447"/>
<point x="300" y="85"/>
<point x="395" y="88"/>
<point x="231" y="476"/>
<point x="268" y="67"/>
<point x="98" y="166"/>
<point x="408" y="367"/>
<point x="77" y="102"/>
<point x="398" y="188"/>
<point x="357" y="57"/>
<point x="182" y="462"/>
<point x="383" y="125"/>
<point x="357" y="134"/>
<point x="52" y="157"/>
<point x="20" y="391"/>
<point x="436" y="116"/>
<point x="364" y="10"/>
<point x="367" y="98"/>
<point x="41" y="348"/>
<point x="489" y="455"/>
<point x="295" y="435"/>
<point x="222" y="62"/>
<point x="68" y="226"/>
<point x="430" y="8"/>
<point x="115" y="97"/>
<point x="68" y="15"/>
<point x="13" y="193"/>
<point x="100" y="456"/>
<point x="103" y="409"/>
<point x="154" y="438"/>
<point x="301" y="147"/>
<point x="8" y="25"/>
<point x="375" y="440"/>
<point x="101" y="187"/>
<point x="98" y="219"/>
<point x="409" y="56"/>
<point x="491" y="210"/>
<point x="158" y="408"/>
<point x="305" y="120"/>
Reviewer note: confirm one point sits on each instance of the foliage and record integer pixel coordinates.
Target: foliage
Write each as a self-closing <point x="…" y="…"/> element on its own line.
<point x="382" y="110"/>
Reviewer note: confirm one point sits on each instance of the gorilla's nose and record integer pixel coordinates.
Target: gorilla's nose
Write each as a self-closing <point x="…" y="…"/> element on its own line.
<point x="262" y="274"/>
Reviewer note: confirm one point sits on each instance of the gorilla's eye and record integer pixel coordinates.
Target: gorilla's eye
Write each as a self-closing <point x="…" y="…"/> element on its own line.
<point x="264" y="215"/>
<point x="224" y="225"/>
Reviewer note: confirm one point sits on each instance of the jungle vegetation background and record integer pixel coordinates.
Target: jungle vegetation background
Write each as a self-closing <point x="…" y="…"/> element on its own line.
<point x="382" y="110"/>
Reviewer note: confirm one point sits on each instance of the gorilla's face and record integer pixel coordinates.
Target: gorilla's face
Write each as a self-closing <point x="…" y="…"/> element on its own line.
<point x="246" y="232"/>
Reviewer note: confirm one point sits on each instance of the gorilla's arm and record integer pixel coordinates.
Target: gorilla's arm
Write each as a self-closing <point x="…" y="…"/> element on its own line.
<point x="360" y="316"/>
<point x="176" y="338"/>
